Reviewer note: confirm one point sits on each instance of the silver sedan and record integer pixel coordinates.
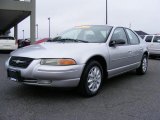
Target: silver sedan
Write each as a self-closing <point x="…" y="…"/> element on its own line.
<point x="82" y="57"/>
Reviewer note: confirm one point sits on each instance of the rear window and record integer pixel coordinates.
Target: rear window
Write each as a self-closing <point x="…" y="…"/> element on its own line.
<point x="7" y="38"/>
<point x="148" y="38"/>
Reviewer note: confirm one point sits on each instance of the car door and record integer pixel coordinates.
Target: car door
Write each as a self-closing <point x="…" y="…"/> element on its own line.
<point x="120" y="55"/>
<point x="136" y="48"/>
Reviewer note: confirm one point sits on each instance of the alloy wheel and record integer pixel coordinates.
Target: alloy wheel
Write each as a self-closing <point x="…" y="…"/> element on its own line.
<point x="144" y="64"/>
<point x="94" y="79"/>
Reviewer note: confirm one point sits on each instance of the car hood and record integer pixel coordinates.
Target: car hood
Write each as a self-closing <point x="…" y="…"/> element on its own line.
<point x="56" y="50"/>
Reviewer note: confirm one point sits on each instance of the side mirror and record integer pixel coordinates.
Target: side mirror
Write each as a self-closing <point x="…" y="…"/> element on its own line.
<point x="117" y="42"/>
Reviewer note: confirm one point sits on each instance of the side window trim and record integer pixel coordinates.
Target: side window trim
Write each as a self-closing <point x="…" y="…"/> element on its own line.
<point x="129" y="43"/>
<point x="152" y="38"/>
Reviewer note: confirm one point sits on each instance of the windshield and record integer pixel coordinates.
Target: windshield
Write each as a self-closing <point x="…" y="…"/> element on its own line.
<point x="86" y="34"/>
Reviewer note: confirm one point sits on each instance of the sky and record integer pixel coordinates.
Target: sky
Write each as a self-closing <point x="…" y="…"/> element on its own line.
<point x="139" y="14"/>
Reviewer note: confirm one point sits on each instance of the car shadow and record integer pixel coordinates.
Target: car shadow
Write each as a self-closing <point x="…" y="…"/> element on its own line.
<point x="117" y="80"/>
<point x="39" y="92"/>
<point x="154" y="57"/>
<point x="5" y="51"/>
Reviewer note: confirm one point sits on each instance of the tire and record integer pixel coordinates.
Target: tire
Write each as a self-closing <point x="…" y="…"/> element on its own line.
<point x="91" y="79"/>
<point x="144" y="66"/>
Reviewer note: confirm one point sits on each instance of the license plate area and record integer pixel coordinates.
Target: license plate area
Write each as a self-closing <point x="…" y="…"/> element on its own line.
<point x="14" y="75"/>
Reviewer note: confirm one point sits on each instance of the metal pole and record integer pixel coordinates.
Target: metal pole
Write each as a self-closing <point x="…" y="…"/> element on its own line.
<point x="106" y="12"/>
<point x="37" y="30"/>
<point x="49" y="27"/>
<point x="23" y="34"/>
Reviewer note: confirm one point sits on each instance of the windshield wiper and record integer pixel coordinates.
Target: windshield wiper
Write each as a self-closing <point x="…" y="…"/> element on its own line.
<point x="76" y="40"/>
<point x="68" y="39"/>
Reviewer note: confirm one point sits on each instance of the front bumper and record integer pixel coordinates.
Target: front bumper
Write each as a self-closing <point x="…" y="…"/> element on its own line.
<point x="42" y="75"/>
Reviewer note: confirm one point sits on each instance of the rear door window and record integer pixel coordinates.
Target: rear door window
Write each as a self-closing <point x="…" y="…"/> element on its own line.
<point x="134" y="40"/>
<point x="149" y="38"/>
<point x="156" y="38"/>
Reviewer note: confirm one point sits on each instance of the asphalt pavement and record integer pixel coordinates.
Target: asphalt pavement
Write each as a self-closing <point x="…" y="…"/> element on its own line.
<point x="126" y="97"/>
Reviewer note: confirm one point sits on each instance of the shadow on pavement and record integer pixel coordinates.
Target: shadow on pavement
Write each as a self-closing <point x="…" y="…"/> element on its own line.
<point x="5" y="51"/>
<point x="38" y="92"/>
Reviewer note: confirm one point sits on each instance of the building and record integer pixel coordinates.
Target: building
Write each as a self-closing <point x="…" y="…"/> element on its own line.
<point x="141" y="34"/>
<point x="13" y="12"/>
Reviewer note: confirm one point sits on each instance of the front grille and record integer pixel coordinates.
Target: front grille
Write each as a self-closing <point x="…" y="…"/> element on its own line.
<point x="21" y="62"/>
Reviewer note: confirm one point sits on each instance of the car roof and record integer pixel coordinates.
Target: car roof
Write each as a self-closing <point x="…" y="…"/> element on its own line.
<point x="152" y="35"/>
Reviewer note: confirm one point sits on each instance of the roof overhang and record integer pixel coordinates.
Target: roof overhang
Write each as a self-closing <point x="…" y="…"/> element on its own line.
<point x="10" y="18"/>
<point x="14" y="11"/>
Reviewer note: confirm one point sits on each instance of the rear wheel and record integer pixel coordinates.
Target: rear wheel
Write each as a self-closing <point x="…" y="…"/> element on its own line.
<point x="144" y="66"/>
<point x="91" y="79"/>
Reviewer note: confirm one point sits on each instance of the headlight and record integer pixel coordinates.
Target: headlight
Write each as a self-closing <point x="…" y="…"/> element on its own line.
<point x="58" y="62"/>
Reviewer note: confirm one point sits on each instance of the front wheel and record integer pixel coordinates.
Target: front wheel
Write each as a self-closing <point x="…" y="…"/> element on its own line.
<point x="91" y="79"/>
<point x="144" y="66"/>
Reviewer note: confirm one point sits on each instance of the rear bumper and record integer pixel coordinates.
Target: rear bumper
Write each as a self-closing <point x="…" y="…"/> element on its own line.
<point x="154" y="52"/>
<point x="56" y="76"/>
<point x="8" y="47"/>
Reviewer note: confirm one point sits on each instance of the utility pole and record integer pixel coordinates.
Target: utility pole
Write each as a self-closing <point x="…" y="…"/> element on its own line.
<point x="106" y="12"/>
<point x="49" y="19"/>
